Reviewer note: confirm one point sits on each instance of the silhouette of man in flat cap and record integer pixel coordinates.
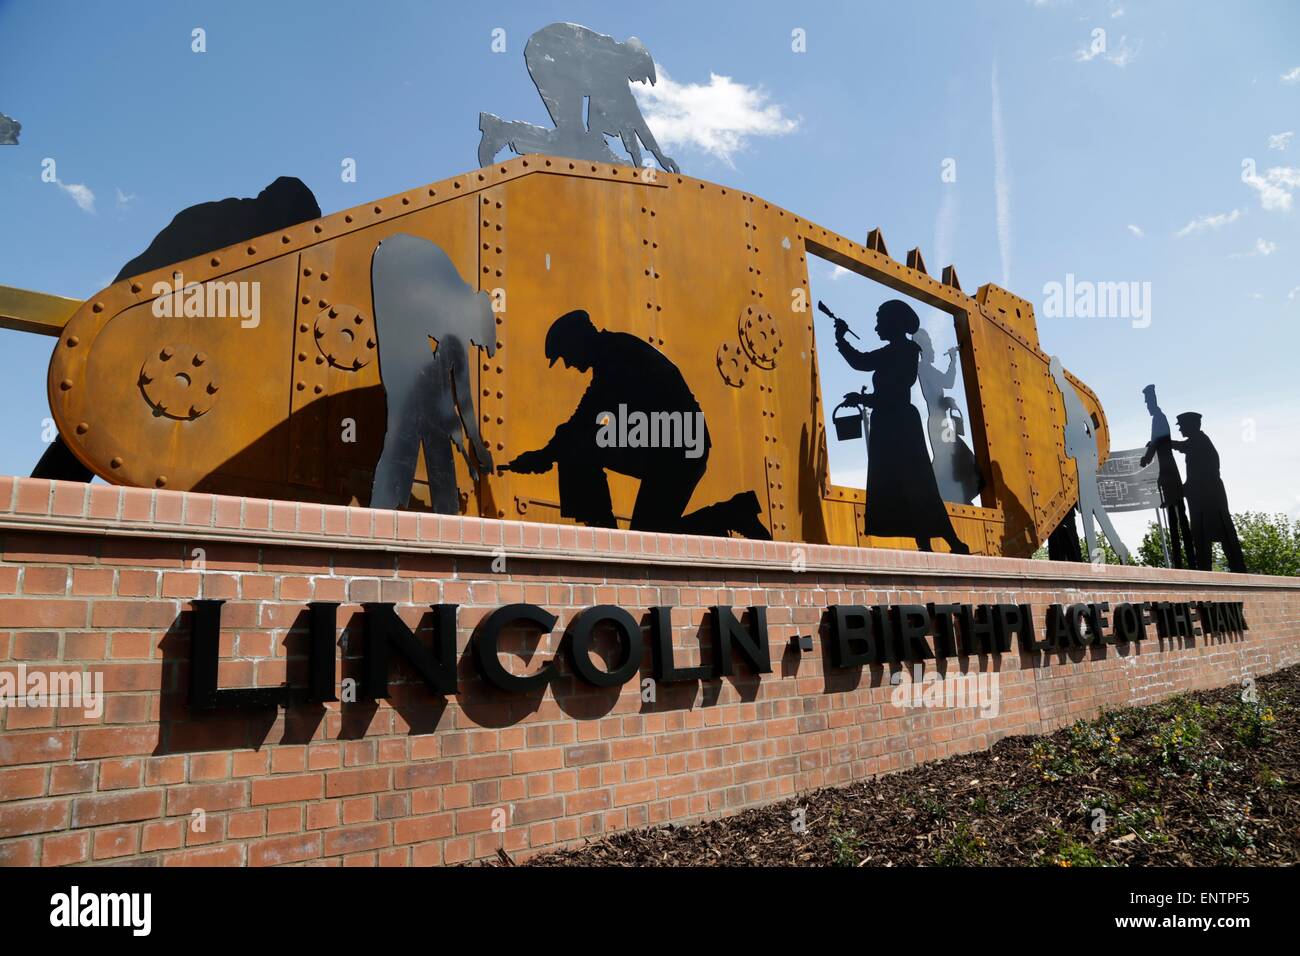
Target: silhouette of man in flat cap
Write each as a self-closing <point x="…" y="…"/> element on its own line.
<point x="1207" y="500"/>
<point x="630" y="377"/>
<point x="1170" y="481"/>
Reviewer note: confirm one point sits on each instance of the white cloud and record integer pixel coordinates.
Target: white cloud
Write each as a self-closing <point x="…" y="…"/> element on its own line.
<point x="1001" y="181"/>
<point x="1122" y="55"/>
<point x="1275" y="187"/>
<point x="717" y="118"/>
<point x="1280" y="140"/>
<point x="1206" y="223"/>
<point x="1291" y="76"/>
<point x="838" y="271"/>
<point x="1136" y="230"/>
<point x="81" y="194"/>
<point x="124" y="200"/>
<point x="1293" y="294"/>
<point x="1262" y="247"/>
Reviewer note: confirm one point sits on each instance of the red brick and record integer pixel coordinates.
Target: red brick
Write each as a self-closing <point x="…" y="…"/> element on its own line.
<point x="216" y="856"/>
<point x="38" y="816"/>
<point x="65" y="849"/>
<point x="356" y="839"/>
<point x="120" y="841"/>
<point x="116" y="742"/>
<point x="124" y="774"/>
<point x="288" y="789"/>
<point x="30" y="612"/>
<point x="162" y="835"/>
<point x="18" y="853"/>
<point x="346" y="783"/>
<point x="40" y="747"/>
<point x="45" y="580"/>
<point x="22" y="783"/>
<point x="97" y="811"/>
<point x="275" y="852"/>
<point x="137" y="613"/>
<point x="208" y="797"/>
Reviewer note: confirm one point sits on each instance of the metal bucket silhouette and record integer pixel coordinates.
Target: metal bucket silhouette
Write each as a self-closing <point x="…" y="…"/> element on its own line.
<point x="847" y="427"/>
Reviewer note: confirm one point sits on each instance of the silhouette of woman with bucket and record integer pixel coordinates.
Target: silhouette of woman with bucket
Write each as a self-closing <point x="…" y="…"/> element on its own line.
<point x="903" y="499"/>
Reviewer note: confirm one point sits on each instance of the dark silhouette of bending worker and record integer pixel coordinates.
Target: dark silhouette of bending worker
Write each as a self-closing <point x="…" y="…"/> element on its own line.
<point x="1170" y="481"/>
<point x="1207" y="500"/>
<point x="629" y="372"/>
<point x="903" y="499"/>
<point x="575" y="70"/>
<point x="419" y="296"/>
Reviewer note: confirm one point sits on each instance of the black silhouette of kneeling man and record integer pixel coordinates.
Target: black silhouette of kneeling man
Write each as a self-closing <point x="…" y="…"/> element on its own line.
<point x="630" y="376"/>
<point x="1207" y="500"/>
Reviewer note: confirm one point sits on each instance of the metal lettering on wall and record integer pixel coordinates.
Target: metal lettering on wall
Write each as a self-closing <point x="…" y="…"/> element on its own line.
<point x="854" y="635"/>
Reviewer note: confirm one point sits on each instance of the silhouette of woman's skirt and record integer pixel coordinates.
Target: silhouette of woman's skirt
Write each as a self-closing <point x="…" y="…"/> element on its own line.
<point x="955" y="469"/>
<point x="903" y="498"/>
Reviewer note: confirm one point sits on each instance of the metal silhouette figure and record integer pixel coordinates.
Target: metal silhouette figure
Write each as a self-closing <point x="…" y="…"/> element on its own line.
<point x="955" y="468"/>
<point x="1171" y="483"/>
<point x="418" y="296"/>
<point x="192" y="232"/>
<point x="1207" y="499"/>
<point x="9" y="130"/>
<point x="1081" y="445"/>
<point x="577" y="69"/>
<point x="630" y="377"/>
<point x="1063" y="542"/>
<point x="903" y="499"/>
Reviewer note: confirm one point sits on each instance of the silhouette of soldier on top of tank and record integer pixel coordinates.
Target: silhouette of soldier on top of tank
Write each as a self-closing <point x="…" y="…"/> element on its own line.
<point x="1207" y="500"/>
<point x="577" y="69"/>
<point x="630" y="377"/>
<point x="1170" y="481"/>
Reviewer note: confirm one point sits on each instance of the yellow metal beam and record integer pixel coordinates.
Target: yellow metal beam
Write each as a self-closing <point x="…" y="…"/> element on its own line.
<point x="36" y="312"/>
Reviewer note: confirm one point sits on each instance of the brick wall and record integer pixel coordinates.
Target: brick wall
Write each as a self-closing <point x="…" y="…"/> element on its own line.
<point x="98" y="579"/>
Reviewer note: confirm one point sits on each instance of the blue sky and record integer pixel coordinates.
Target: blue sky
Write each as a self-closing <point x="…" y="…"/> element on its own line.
<point x="1116" y="164"/>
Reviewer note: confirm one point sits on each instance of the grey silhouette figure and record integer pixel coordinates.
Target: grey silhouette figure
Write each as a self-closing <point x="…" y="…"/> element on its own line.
<point x="575" y="70"/>
<point x="902" y="494"/>
<point x="955" y="468"/>
<point x="1171" y="483"/>
<point x="1206" y="497"/>
<point x="418" y="296"/>
<point x="9" y="130"/>
<point x="1081" y="445"/>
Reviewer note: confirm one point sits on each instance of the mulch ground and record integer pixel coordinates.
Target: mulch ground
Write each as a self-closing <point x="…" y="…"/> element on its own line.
<point x="1200" y="779"/>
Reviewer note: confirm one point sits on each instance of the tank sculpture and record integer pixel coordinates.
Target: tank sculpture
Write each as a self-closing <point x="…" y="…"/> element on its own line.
<point x="162" y="381"/>
<point x="598" y="342"/>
